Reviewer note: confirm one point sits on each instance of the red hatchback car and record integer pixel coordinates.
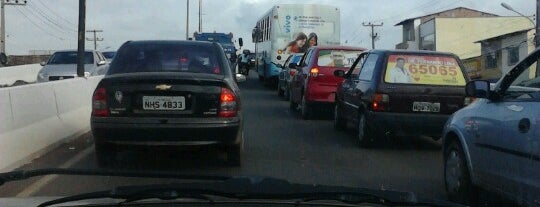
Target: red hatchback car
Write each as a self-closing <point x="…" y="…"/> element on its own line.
<point x="314" y="83"/>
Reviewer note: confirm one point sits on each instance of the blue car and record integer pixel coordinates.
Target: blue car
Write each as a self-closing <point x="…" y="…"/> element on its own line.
<point x="494" y="143"/>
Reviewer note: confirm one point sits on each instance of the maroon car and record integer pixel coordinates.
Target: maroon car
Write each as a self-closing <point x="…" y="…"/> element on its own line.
<point x="401" y="93"/>
<point x="315" y="83"/>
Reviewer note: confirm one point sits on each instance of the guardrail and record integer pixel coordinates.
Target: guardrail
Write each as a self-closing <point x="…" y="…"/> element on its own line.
<point x="34" y="118"/>
<point x="26" y="73"/>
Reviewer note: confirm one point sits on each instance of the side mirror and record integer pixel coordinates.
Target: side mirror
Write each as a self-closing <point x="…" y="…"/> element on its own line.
<point x="240" y="78"/>
<point x="339" y="73"/>
<point x="293" y="65"/>
<point x="102" y="62"/>
<point x="478" y="89"/>
<point x="43" y="63"/>
<point x="240" y="42"/>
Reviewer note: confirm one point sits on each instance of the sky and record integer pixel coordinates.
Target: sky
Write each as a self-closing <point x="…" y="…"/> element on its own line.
<point x="52" y="24"/>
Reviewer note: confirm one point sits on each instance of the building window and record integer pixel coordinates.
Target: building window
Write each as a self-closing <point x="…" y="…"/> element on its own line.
<point x="491" y="60"/>
<point x="513" y="55"/>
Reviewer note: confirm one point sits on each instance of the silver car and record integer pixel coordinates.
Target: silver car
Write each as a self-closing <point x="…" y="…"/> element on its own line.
<point x="494" y="143"/>
<point x="63" y="65"/>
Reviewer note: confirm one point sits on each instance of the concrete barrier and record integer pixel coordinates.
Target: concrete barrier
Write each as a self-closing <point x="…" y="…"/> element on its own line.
<point x="26" y="73"/>
<point x="37" y="117"/>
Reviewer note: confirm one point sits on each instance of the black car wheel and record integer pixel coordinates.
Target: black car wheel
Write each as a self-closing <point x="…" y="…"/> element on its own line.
<point x="339" y="122"/>
<point x="234" y="155"/>
<point x="457" y="180"/>
<point x="105" y="154"/>
<point x="306" y="109"/>
<point x="365" y="135"/>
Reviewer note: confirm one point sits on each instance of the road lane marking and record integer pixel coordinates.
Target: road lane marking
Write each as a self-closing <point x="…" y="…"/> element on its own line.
<point x="39" y="184"/>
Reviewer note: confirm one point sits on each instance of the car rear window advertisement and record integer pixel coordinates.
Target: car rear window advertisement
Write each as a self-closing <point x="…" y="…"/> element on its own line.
<point x="423" y="69"/>
<point x="337" y="58"/>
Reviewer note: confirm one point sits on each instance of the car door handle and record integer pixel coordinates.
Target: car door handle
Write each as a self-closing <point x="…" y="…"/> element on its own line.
<point x="524" y="125"/>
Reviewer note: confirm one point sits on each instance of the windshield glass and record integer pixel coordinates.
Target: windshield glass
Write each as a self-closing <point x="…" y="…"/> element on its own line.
<point x="70" y="58"/>
<point x="418" y="96"/>
<point x="166" y="58"/>
<point x="424" y="69"/>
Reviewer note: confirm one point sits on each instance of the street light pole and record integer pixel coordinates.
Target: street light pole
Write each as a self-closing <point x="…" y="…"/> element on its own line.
<point x="187" y="20"/>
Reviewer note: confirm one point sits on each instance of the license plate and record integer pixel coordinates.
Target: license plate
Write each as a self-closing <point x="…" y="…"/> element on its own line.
<point x="426" y="107"/>
<point x="164" y="103"/>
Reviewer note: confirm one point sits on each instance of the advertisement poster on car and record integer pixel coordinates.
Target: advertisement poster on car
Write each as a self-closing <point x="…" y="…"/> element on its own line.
<point x="423" y="69"/>
<point x="337" y="58"/>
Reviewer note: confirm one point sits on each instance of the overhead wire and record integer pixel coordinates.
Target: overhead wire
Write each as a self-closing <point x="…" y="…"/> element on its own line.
<point x="54" y="13"/>
<point x="49" y="18"/>
<point x="38" y="26"/>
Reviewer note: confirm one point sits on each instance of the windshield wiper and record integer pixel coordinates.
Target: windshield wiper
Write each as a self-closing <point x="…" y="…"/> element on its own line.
<point x="250" y="188"/>
<point x="25" y="174"/>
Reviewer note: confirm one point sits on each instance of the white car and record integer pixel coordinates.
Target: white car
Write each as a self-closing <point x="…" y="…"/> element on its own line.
<point x="63" y="65"/>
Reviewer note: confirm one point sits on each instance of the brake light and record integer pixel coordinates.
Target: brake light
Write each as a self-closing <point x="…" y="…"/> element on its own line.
<point x="380" y="102"/>
<point x="99" y="103"/>
<point x="314" y="72"/>
<point x="228" y="106"/>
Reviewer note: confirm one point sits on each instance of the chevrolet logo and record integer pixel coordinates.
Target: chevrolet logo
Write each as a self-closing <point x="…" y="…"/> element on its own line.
<point x="163" y="87"/>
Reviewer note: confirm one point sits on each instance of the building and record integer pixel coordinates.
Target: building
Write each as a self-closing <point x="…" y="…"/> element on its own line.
<point x="456" y="30"/>
<point x="502" y="52"/>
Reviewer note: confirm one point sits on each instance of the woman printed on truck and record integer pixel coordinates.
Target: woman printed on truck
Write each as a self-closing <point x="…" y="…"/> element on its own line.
<point x="312" y="40"/>
<point x="297" y="46"/>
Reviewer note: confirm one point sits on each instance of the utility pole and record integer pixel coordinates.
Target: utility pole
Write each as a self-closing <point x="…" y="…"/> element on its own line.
<point x="96" y="39"/>
<point x="374" y="35"/>
<point x="4" y="3"/>
<point x="80" y="38"/>
<point x="187" y="20"/>
<point x="200" y="16"/>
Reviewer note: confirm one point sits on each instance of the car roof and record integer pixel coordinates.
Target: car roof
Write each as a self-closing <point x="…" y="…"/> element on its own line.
<point x="338" y="47"/>
<point x="421" y="52"/>
<point x="170" y="42"/>
<point x="74" y="51"/>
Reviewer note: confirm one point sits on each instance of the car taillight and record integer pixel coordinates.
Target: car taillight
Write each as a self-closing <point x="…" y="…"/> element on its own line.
<point x="380" y="102"/>
<point x="228" y="106"/>
<point x="314" y="72"/>
<point x="99" y="103"/>
<point x="468" y="100"/>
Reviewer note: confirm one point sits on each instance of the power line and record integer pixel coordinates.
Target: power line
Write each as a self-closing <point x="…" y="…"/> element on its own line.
<point x="46" y="18"/>
<point x="54" y="13"/>
<point x="49" y="25"/>
<point x="49" y="18"/>
<point x="37" y="25"/>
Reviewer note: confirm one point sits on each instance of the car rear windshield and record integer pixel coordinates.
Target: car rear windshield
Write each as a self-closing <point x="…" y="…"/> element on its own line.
<point x="70" y="58"/>
<point x="424" y="69"/>
<point x="166" y="58"/>
<point x="337" y="58"/>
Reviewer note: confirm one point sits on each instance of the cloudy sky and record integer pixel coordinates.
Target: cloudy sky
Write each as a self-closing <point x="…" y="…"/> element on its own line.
<point x="52" y="24"/>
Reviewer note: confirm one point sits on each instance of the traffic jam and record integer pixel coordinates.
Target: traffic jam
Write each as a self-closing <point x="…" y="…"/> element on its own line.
<point x="210" y="89"/>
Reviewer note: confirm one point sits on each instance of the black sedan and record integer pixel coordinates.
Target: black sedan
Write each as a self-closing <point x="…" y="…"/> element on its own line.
<point x="168" y="93"/>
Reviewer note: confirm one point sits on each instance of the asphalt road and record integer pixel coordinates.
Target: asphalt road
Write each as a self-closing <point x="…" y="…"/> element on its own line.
<point x="278" y="144"/>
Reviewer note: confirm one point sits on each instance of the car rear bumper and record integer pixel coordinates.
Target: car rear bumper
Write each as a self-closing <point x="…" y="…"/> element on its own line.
<point x="323" y="94"/>
<point x="166" y="131"/>
<point x="402" y="124"/>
